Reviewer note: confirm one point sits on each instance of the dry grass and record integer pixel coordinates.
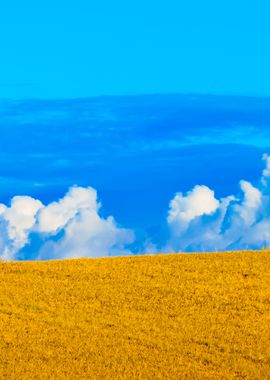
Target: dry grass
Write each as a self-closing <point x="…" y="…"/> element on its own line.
<point x="201" y="316"/>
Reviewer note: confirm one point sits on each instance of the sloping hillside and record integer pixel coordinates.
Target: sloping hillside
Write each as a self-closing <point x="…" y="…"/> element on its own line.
<point x="204" y="316"/>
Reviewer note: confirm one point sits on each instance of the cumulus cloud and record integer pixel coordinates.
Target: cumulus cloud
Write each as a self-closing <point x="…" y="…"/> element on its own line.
<point x="183" y="209"/>
<point x="266" y="172"/>
<point x="200" y="222"/>
<point x="16" y="223"/>
<point x="197" y="221"/>
<point x="70" y="227"/>
<point x="57" y="214"/>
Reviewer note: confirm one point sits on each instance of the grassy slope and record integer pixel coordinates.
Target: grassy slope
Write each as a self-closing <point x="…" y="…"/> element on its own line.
<point x="166" y="316"/>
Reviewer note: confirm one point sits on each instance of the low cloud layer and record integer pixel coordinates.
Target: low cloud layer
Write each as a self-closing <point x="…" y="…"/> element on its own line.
<point x="196" y="221"/>
<point x="68" y="228"/>
<point x="199" y="222"/>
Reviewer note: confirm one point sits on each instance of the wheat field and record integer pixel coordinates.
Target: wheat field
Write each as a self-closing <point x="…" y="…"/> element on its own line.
<point x="193" y="316"/>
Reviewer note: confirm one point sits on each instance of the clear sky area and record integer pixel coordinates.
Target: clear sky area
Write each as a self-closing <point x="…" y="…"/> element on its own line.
<point x="69" y="49"/>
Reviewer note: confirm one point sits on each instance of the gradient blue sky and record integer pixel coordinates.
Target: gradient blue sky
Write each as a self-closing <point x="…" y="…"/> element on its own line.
<point x="136" y="151"/>
<point x="67" y="49"/>
<point x="139" y="100"/>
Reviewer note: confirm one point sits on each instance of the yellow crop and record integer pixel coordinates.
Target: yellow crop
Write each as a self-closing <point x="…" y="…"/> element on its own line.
<point x="198" y="316"/>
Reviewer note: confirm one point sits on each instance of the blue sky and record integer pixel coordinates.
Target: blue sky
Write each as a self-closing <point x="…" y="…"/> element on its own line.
<point x="132" y="127"/>
<point x="67" y="49"/>
<point x="136" y="151"/>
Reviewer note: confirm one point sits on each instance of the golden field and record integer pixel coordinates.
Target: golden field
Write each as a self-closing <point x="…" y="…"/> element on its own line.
<point x="197" y="316"/>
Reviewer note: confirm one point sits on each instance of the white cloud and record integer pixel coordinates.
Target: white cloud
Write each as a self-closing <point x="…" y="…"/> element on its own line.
<point x="183" y="209"/>
<point x="71" y="227"/>
<point x="197" y="221"/>
<point x="88" y="235"/>
<point x="248" y="208"/>
<point x="200" y="222"/>
<point x="17" y="222"/>
<point x="57" y="214"/>
<point x="266" y="172"/>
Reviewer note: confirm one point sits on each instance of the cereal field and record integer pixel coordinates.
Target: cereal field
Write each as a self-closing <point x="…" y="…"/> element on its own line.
<point x="197" y="316"/>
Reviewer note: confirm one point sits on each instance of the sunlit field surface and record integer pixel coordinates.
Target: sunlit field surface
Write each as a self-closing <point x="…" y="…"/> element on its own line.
<point x="194" y="316"/>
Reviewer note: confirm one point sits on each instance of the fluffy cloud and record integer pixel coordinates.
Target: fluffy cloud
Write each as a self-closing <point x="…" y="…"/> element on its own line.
<point x="183" y="209"/>
<point x="71" y="227"/>
<point x="266" y="172"/>
<point x="57" y="214"/>
<point x="197" y="221"/>
<point x="16" y="222"/>
<point x="200" y="222"/>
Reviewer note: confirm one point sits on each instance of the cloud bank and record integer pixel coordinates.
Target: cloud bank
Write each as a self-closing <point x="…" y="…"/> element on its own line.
<point x="199" y="222"/>
<point x="68" y="228"/>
